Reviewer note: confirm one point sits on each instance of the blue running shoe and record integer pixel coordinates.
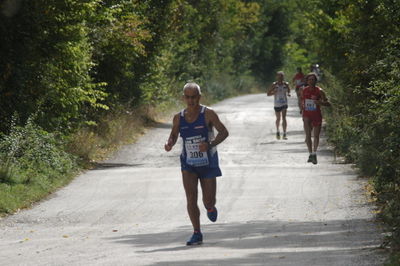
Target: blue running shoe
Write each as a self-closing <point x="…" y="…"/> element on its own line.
<point x="196" y="239"/>
<point x="212" y="214"/>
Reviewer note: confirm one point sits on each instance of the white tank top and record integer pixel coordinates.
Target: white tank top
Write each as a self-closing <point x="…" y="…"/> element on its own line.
<point x="280" y="95"/>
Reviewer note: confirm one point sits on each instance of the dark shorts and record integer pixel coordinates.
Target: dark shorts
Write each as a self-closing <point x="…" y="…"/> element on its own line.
<point x="280" y="109"/>
<point x="202" y="171"/>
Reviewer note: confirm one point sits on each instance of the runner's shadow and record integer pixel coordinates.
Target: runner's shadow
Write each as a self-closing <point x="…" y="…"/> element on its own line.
<point x="321" y="152"/>
<point x="269" y="142"/>
<point x="300" y="243"/>
<point x="295" y="133"/>
<point x="294" y="142"/>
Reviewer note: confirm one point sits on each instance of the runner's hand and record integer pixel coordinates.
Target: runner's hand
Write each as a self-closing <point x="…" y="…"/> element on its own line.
<point x="318" y="102"/>
<point x="203" y="147"/>
<point x="168" y="145"/>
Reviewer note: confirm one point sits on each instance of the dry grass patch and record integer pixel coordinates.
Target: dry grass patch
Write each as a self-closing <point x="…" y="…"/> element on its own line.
<point x="119" y="127"/>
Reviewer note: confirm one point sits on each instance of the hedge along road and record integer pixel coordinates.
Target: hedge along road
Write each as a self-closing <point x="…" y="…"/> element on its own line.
<point x="274" y="208"/>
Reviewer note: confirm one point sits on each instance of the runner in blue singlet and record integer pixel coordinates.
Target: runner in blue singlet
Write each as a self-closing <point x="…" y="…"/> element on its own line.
<point x="204" y="164"/>
<point x="199" y="158"/>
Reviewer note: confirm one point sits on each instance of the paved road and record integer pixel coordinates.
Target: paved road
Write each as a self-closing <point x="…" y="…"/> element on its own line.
<point x="275" y="209"/>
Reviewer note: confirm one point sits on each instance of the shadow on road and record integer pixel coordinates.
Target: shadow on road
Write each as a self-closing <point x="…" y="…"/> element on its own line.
<point x="321" y="152"/>
<point x="344" y="242"/>
<point x="163" y="125"/>
<point x="102" y="166"/>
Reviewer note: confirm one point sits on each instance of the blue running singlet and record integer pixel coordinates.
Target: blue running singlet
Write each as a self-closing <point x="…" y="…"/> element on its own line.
<point x="204" y="164"/>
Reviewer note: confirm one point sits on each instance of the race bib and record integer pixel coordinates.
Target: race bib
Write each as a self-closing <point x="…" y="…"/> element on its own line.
<point x="194" y="156"/>
<point x="310" y="105"/>
<point x="281" y="99"/>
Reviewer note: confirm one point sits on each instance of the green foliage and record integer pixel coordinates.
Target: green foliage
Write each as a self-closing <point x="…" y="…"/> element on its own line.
<point x="65" y="66"/>
<point x="382" y="132"/>
<point x="67" y="61"/>
<point x="31" y="148"/>
<point x="393" y="261"/>
<point x="269" y="37"/>
<point x="295" y="57"/>
<point x="32" y="163"/>
<point x="358" y="41"/>
<point x="118" y="33"/>
<point x="46" y="58"/>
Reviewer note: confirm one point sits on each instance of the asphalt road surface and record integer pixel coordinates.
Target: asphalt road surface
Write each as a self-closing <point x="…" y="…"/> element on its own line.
<point x="274" y="208"/>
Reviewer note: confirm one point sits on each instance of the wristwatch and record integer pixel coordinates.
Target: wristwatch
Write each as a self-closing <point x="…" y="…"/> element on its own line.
<point x="210" y="145"/>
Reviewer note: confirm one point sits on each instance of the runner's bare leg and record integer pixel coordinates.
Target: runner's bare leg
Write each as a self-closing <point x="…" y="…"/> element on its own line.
<point x="317" y="131"/>
<point x="209" y="189"/>
<point x="284" y="123"/>
<point x="307" y="130"/>
<point x="278" y="120"/>
<point x="190" y="183"/>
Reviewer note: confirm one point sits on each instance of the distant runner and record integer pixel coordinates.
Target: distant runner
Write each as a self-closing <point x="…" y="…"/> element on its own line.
<point x="199" y="158"/>
<point x="298" y="82"/>
<point x="313" y="98"/>
<point x="280" y="89"/>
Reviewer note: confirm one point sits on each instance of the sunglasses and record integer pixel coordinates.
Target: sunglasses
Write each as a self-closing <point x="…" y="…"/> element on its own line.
<point x="190" y="96"/>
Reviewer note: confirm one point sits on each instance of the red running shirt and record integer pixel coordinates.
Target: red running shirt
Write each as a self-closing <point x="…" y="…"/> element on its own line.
<point x="310" y="109"/>
<point x="298" y="79"/>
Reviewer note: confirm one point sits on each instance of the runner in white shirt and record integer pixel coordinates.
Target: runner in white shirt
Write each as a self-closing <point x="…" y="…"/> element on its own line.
<point x="280" y="89"/>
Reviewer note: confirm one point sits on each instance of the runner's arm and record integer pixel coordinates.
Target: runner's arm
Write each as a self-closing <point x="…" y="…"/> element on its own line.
<point x="301" y="98"/>
<point x="271" y="90"/>
<point x="288" y="86"/>
<point x="173" y="137"/>
<point x="212" y="120"/>
<point x="324" y="101"/>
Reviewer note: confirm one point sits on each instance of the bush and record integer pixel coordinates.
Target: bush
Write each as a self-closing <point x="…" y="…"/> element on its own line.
<point x="366" y="131"/>
<point x="32" y="163"/>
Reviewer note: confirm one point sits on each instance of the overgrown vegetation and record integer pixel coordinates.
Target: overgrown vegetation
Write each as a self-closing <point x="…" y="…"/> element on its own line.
<point x="32" y="163"/>
<point x="358" y="44"/>
<point x="69" y="61"/>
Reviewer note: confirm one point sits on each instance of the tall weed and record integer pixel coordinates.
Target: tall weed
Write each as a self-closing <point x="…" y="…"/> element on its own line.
<point x="32" y="163"/>
<point x="120" y="126"/>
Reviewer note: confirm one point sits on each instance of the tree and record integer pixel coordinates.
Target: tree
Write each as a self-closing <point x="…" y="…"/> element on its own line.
<point x="45" y="56"/>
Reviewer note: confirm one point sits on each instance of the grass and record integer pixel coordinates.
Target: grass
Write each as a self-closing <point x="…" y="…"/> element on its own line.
<point x="120" y="127"/>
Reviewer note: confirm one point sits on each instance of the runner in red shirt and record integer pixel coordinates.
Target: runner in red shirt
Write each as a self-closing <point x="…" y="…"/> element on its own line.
<point x="312" y="98"/>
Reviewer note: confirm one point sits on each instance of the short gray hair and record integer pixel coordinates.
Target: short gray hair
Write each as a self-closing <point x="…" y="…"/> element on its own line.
<point x="192" y="85"/>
